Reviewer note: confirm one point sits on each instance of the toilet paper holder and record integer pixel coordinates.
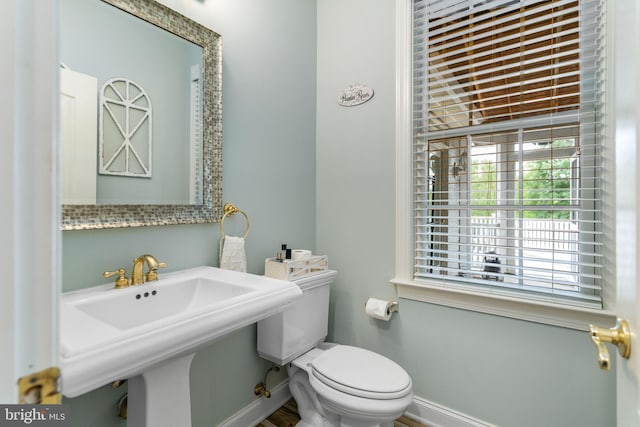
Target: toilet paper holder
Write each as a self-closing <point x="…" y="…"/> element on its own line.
<point x="380" y="309"/>
<point x="393" y="307"/>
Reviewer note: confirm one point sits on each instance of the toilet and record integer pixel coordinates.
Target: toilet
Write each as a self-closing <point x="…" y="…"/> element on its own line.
<point x="333" y="385"/>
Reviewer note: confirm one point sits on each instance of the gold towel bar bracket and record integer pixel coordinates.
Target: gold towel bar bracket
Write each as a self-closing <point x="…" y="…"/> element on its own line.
<point x="231" y="209"/>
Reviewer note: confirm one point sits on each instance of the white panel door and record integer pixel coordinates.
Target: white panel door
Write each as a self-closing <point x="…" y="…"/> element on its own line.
<point x="78" y="133"/>
<point x="626" y="119"/>
<point x="29" y="212"/>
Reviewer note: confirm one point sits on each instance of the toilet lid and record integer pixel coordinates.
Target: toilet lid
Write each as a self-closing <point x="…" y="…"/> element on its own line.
<point x="361" y="373"/>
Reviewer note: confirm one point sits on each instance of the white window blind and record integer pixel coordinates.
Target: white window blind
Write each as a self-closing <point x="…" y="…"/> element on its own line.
<point x="507" y="147"/>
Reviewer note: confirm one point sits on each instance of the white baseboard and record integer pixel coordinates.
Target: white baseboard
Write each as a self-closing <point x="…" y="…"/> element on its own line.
<point x="422" y="410"/>
<point x="435" y="415"/>
<point x="259" y="409"/>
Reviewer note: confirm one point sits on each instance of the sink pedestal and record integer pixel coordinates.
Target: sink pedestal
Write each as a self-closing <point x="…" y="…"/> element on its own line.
<point x="160" y="397"/>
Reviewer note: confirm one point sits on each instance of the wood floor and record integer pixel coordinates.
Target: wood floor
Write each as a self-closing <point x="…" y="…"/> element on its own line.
<point x="287" y="416"/>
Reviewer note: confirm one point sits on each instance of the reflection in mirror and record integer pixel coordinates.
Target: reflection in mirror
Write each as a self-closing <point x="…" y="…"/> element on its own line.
<point x="145" y="108"/>
<point x="140" y="115"/>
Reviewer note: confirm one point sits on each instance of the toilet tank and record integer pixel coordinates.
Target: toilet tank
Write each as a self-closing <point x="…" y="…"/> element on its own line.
<point x="300" y="327"/>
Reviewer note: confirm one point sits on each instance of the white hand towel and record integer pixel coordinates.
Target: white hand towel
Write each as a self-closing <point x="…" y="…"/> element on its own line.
<point x="232" y="254"/>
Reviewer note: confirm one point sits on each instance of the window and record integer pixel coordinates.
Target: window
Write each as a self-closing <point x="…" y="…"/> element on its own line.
<point x="507" y="147"/>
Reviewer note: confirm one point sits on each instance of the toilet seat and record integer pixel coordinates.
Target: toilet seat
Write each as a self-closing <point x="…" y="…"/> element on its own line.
<point x="361" y="373"/>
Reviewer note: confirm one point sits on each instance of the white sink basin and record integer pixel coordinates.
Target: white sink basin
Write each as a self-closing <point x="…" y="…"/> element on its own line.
<point x="162" y="300"/>
<point x="108" y="334"/>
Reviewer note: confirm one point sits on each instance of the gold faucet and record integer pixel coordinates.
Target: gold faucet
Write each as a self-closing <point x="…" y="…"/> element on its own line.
<point x="152" y="273"/>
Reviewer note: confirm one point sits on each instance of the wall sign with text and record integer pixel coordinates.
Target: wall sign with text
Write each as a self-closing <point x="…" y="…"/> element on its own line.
<point x="355" y="95"/>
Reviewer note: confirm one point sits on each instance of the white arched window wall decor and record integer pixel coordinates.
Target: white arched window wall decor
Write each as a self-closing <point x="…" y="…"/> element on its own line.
<point x="125" y="137"/>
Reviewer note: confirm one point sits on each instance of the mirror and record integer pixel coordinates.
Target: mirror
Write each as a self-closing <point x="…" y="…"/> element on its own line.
<point x="149" y="149"/>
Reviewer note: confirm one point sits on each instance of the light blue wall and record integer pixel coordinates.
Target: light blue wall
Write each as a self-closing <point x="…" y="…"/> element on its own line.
<point x="269" y="74"/>
<point x="503" y="371"/>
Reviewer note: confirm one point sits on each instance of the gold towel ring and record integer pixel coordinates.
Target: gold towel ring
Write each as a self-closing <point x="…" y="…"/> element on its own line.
<point x="230" y="209"/>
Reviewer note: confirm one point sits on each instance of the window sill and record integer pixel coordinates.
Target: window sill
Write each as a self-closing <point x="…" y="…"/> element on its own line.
<point x="531" y="311"/>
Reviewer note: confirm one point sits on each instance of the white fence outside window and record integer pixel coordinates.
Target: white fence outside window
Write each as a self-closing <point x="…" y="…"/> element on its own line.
<point x="543" y="242"/>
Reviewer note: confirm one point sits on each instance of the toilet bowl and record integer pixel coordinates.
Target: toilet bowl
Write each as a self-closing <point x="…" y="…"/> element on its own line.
<point x="333" y="385"/>
<point x="349" y="386"/>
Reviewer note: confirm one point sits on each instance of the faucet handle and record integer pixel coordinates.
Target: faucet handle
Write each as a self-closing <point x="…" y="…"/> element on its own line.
<point x="121" y="280"/>
<point x="152" y="274"/>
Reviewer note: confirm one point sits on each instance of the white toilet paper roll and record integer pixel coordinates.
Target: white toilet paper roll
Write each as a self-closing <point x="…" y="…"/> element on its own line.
<point x="380" y="309"/>
<point x="300" y="254"/>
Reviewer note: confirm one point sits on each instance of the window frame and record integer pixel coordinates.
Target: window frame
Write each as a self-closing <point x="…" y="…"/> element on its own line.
<point x="430" y="291"/>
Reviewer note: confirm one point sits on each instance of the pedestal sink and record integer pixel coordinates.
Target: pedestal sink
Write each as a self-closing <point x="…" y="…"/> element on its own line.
<point x="150" y="333"/>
